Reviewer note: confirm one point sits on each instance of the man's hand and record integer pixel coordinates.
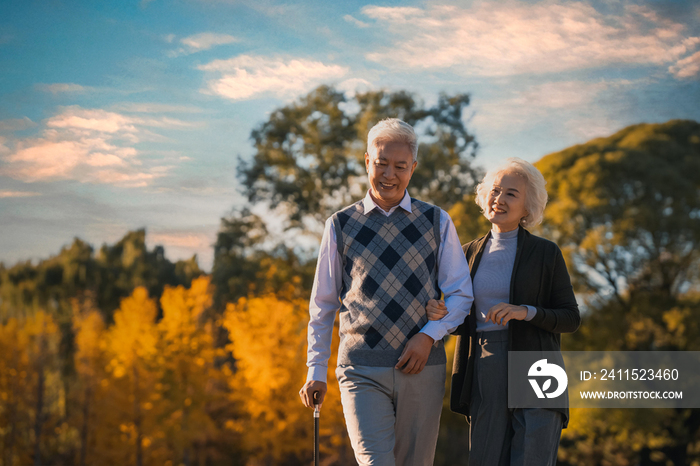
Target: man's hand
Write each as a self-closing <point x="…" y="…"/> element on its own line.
<point x="307" y="393"/>
<point x="435" y="309"/>
<point x="415" y="354"/>
<point x="501" y="313"/>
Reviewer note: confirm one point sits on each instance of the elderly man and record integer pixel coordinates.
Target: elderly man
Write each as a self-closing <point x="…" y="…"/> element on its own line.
<point x="381" y="260"/>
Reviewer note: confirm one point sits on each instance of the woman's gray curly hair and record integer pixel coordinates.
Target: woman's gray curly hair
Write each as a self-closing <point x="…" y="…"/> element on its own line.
<point x="535" y="196"/>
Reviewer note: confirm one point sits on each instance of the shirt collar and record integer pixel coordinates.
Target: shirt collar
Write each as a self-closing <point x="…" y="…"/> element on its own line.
<point x="369" y="204"/>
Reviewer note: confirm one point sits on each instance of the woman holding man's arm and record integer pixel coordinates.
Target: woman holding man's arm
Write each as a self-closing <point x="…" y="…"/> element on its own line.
<point x="523" y="301"/>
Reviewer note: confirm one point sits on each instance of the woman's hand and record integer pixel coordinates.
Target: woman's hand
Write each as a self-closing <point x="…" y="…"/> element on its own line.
<point x="435" y="309"/>
<point x="501" y="313"/>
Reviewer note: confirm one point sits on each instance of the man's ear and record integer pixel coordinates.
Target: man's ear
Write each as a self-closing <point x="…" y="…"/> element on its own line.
<point x="367" y="161"/>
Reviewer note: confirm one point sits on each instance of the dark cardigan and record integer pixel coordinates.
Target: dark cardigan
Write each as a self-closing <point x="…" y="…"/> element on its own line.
<point x="539" y="279"/>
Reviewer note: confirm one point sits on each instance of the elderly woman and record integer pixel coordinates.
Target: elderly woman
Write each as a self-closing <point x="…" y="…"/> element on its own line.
<point x="523" y="301"/>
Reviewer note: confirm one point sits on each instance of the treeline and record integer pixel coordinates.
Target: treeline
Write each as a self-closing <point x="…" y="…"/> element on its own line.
<point x="122" y="357"/>
<point x="163" y="378"/>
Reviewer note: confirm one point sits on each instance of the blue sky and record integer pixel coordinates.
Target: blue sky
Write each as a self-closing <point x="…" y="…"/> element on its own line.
<point x="117" y="115"/>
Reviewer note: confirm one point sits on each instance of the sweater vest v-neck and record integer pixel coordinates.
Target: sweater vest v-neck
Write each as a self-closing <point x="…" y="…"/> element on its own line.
<point x="389" y="274"/>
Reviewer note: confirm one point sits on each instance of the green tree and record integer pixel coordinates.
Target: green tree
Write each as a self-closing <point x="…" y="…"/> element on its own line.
<point x="246" y="263"/>
<point x="309" y="154"/>
<point x="626" y="211"/>
<point x="129" y="264"/>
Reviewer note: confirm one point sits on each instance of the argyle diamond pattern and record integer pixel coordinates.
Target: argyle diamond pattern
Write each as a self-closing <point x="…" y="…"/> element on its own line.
<point x="388" y="274"/>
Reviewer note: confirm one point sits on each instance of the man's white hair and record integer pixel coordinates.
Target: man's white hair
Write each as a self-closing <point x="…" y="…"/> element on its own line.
<point x="535" y="194"/>
<point x="392" y="130"/>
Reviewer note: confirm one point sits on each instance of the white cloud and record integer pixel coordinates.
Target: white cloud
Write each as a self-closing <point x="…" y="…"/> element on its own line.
<point x="77" y="118"/>
<point x="246" y="76"/>
<point x="207" y="40"/>
<point x="61" y="88"/>
<point x="202" y="41"/>
<point x="514" y="37"/>
<point x="5" y="194"/>
<point x="87" y="145"/>
<point x="352" y="20"/>
<point x="688" y="67"/>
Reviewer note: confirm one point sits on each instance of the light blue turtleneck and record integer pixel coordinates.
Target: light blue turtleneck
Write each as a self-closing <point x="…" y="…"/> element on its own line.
<point x="492" y="279"/>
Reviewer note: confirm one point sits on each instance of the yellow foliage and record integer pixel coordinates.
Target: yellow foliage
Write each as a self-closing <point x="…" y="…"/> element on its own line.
<point x="182" y="308"/>
<point x="268" y="342"/>
<point x="189" y="379"/>
<point x="133" y="335"/>
<point x="29" y="369"/>
<point x="468" y="220"/>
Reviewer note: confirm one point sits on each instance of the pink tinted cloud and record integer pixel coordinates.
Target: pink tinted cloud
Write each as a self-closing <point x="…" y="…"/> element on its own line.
<point x="514" y="37"/>
<point x="87" y="145"/>
<point x="246" y="77"/>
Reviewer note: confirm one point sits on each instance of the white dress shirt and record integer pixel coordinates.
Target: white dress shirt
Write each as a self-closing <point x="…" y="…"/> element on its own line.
<point x="453" y="279"/>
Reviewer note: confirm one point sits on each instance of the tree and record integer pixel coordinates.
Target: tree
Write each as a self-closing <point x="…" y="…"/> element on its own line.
<point x="268" y="341"/>
<point x="132" y="346"/>
<point x="309" y="154"/>
<point x="129" y="264"/>
<point x="468" y="219"/>
<point x="245" y="263"/>
<point x="626" y="211"/>
<point x="190" y="382"/>
<point x="30" y="398"/>
<point x="627" y="208"/>
<point x="88" y="388"/>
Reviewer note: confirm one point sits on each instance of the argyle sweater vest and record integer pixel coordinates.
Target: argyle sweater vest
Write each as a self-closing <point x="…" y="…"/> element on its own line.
<point x="389" y="274"/>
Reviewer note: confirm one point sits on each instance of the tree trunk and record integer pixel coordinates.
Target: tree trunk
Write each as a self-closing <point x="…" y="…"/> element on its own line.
<point x="38" y="419"/>
<point x="137" y="419"/>
<point x="86" y="425"/>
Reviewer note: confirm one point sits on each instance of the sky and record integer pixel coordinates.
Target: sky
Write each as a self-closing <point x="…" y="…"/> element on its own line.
<point x="119" y="115"/>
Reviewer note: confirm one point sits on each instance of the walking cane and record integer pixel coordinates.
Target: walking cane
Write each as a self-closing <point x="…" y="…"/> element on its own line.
<point x="317" y="415"/>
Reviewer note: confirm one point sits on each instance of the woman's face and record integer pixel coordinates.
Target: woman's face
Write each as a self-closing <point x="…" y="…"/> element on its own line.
<point x="506" y="201"/>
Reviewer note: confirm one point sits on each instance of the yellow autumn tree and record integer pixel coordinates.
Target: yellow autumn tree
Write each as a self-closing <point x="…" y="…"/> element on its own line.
<point x="92" y="415"/>
<point x="15" y="422"/>
<point x="132" y="348"/>
<point x="31" y="395"/>
<point x="268" y="343"/>
<point x="189" y="381"/>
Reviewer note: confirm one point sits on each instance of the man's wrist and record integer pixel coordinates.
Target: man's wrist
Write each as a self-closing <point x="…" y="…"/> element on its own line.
<point x="432" y="339"/>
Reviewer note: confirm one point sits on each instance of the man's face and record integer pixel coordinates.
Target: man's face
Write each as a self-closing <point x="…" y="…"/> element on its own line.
<point x="389" y="172"/>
